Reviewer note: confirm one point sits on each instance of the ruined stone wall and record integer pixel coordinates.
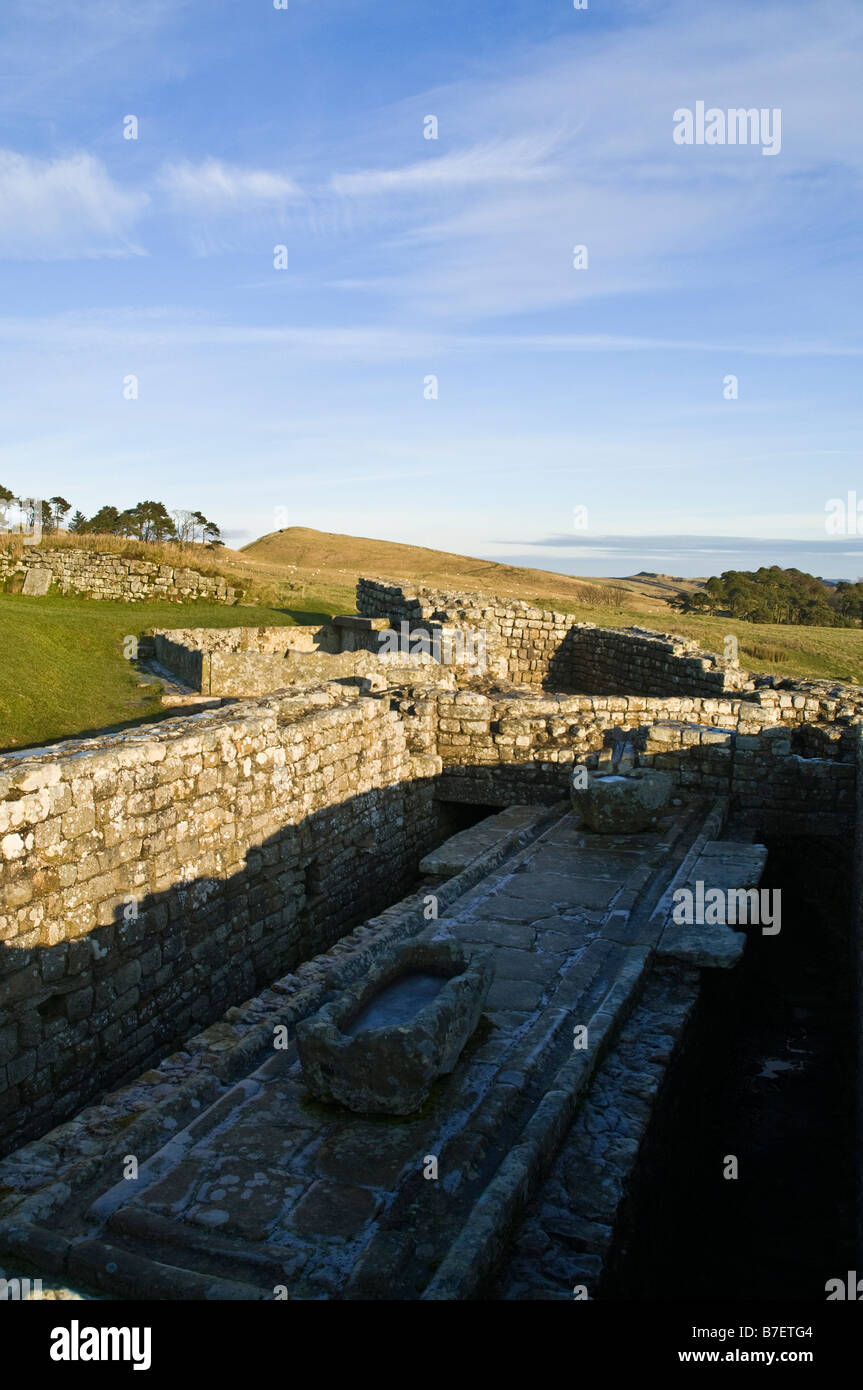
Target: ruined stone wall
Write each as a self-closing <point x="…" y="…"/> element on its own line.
<point x="245" y="662"/>
<point x="523" y="643"/>
<point x="271" y="641"/>
<point x="617" y="661"/>
<point x="255" y="673"/>
<point x="786" y="758"/>
<point x="150" y="879"/>
<point x="118" y="577"/>
<point x="179" y="657"/>
<point x="535" y="646"/>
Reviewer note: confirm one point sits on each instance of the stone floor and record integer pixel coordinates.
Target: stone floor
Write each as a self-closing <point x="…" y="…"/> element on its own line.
<point x="252" y="1189"/>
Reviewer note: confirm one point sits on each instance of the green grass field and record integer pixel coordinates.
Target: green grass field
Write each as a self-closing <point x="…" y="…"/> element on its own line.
<point x="62" y="669"/>
<point x="63" y="673"/>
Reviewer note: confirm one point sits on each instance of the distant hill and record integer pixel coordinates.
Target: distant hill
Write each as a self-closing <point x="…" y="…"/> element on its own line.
<point x="335" y="560"/>
<point x="316" y="572"/>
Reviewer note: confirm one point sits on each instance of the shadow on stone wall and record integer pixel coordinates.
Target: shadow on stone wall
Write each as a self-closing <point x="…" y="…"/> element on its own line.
<point x="562" y="674"/>
<point x="83" y="1016"/>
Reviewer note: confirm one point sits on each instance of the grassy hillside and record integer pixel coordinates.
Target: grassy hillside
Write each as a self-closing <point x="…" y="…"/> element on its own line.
<point x="334" y="563"/>
<point x="327" y="566"/>
<point x="63" y="671"/>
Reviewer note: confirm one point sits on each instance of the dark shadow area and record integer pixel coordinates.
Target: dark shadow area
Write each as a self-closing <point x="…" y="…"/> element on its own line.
<point x="308" y="617"/>
<point x="562" y="676"/>
<point x="767" y="1073"/>
<point x="461" y="815"/>
<point x="87" y="1015"/>
<point x="92" y="1013"/>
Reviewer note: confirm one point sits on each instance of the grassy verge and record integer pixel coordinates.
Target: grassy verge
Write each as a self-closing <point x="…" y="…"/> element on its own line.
<point x="62" y="669"/>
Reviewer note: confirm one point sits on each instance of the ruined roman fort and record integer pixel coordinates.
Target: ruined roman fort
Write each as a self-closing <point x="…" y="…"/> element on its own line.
<point x="481" y="830"/>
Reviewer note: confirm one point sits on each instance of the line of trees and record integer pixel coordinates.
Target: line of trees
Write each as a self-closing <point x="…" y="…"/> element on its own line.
<point x="147" y="521"/>
<point x="775" y="595"/>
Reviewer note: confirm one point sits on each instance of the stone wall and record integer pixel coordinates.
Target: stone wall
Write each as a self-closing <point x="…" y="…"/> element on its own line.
<point x="240" y="674"/>
<point x="786" y="758"/>
<point x="150" y="879"/>
<point x="109" y="576"/>
<point x="238" y="662"/>
<point x="616" y="661"/>
<point x="536" y="646"/>
<point x="520" y="642"/>
<point x="270" y="641"/>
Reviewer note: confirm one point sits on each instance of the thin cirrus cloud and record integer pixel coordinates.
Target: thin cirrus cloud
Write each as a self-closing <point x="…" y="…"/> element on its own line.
<point x="58" y="209"/>
<point x="689" y="545"/>
<point x="518" y="160"/>
<point x="219" y="185"/>
<point x="217" y="206"/>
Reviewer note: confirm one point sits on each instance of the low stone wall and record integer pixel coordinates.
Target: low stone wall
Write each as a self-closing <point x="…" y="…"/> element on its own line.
<point x="614" y="661"/>
<point x="241" y="662"/>
<point x="536" y="646"/>
<point x="786" y="759"/>
<point x="151" y="879"/>
<point x="241" y="674"/>
<point x="108" y="576"/>
<point x="270" y="641"/>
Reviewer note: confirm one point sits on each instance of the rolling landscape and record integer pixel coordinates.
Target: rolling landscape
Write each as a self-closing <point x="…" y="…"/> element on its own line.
<point x="71" y="676"/>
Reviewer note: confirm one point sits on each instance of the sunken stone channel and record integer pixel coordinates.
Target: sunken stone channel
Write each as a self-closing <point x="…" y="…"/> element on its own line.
<point x="380" y="1046"/>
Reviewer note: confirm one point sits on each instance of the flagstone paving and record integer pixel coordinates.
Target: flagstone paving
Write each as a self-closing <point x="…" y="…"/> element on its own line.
<point x="260" y="1191"/>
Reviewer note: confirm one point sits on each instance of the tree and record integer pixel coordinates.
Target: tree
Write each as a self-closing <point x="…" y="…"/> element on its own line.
<point x="184" y="526"/>
<point x="55" y="512"/>
<point x="106" y="522"/>
<point x="774" y="595"/>
<point x="78" y="524"/>
<point x="148" y="521"/>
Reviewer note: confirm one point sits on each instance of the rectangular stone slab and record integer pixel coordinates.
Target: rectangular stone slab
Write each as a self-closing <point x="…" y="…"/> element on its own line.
<point x="37" y="582"/>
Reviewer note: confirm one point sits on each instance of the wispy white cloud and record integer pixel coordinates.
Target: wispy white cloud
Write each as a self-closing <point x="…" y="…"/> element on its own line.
<point x="517" y="160"/>
<point x="164" y="328"/>
<point x="64" y="208"/>
<point x="218" y="206"/>
<point x="217" y="185"/>
<point x="654" y="216"/>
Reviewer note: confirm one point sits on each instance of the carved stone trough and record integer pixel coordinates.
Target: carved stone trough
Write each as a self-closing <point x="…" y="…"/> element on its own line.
<point x="622" y="804"/>
<point x="379" y="1047"/>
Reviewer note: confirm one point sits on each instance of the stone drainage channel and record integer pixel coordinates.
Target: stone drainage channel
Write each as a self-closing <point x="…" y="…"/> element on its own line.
<point x="245" y="1185"/>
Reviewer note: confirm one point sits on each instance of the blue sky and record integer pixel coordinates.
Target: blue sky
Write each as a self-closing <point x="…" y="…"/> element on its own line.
<point x="274" y="397"/>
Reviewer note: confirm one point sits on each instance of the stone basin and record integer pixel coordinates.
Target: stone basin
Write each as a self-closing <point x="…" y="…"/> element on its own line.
<point x="622" y="804"/>
<point x="380" y="1046"/>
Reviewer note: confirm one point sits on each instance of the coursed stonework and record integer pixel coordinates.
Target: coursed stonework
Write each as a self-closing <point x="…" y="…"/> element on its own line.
<point x="107" y="576"/>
